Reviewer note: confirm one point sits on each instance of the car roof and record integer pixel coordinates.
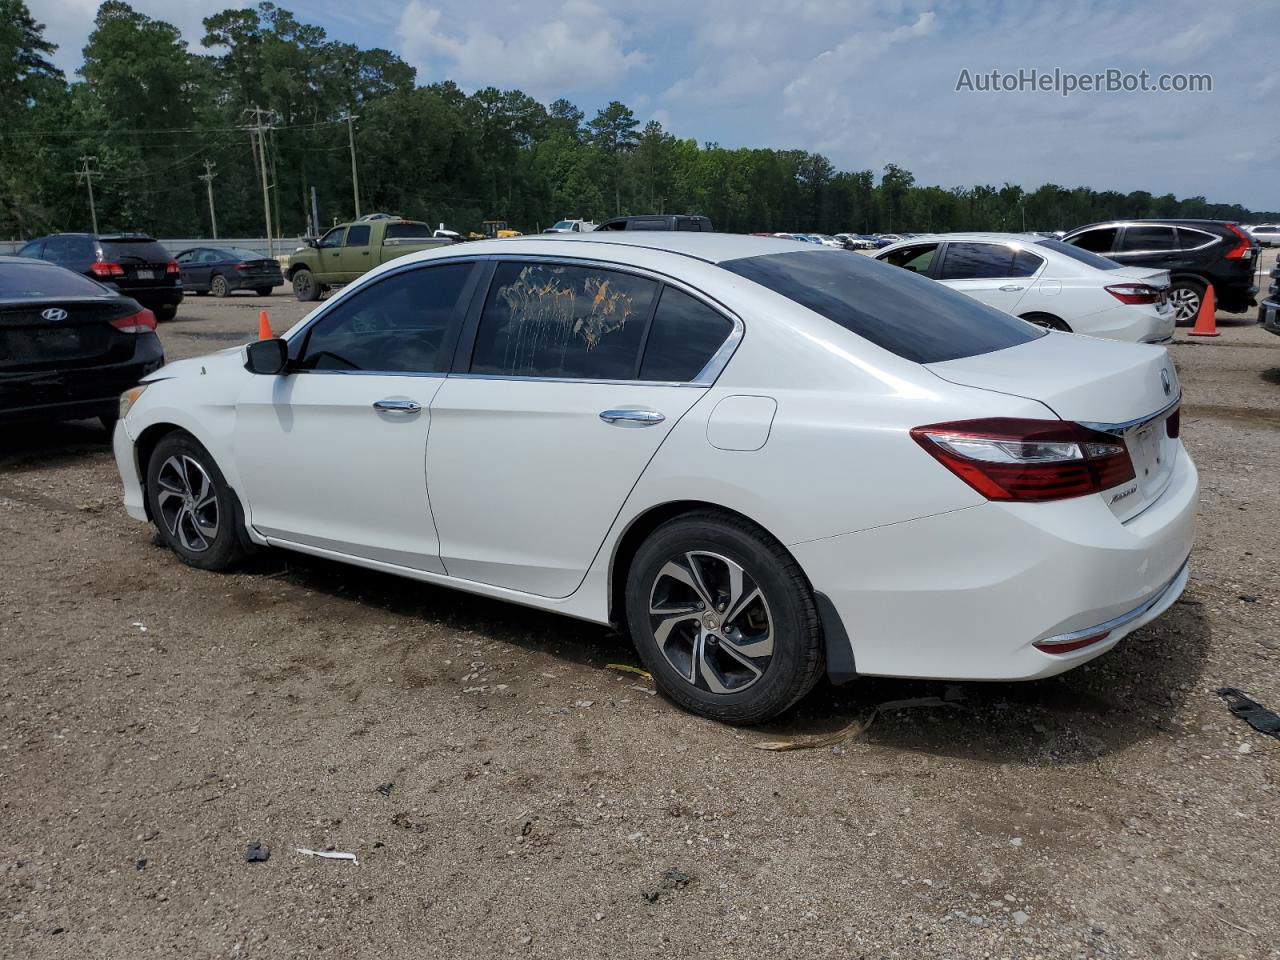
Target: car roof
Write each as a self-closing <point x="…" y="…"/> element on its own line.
<point x="1158" y="221"/>
<point x="708" y="247"/>
<point x="972" y="237"/>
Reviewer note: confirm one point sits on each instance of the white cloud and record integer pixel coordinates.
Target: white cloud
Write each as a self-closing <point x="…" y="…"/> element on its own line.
<point x="546" y="49"/>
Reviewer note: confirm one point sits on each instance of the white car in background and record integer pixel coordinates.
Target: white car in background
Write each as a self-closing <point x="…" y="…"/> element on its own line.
<point x="766" y="458"/>
<point x="1267" y="234"/>
<point x="1045" y="281"/>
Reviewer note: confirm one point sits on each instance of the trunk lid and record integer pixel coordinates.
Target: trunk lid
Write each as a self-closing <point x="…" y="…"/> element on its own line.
<point x="76" y="332"/>
<point x="1128" y="389"/>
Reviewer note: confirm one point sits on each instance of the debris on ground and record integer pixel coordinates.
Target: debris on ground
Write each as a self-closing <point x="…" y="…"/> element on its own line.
<point x="405" y="822"/>
<point x="951" y="698"/>
<point x="671" y="879"/>
<point x="628" y="668"/>
<point x="256" y="852"/>
<point x="327" y="854"/>
<point x="384" y="789"/>
<point x="1250" y="711"/>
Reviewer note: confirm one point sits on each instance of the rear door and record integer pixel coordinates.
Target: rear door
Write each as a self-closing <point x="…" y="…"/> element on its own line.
<point x="1149" y="245"/>
<point x="355" y="258"/>
<point x="996" y="274"/>
<point x="574" y="376"/>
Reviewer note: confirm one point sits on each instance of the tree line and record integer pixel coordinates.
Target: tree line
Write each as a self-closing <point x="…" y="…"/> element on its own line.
<point x="152" y="115"/>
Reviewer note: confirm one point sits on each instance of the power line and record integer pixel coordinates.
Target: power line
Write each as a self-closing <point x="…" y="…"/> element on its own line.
<point x="140" y="130"/>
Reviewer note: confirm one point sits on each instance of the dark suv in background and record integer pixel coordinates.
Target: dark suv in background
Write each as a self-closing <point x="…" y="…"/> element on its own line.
<point x="132" y="263"/>
<point x="659" y="221"/>
<point x="1195" y="252"/>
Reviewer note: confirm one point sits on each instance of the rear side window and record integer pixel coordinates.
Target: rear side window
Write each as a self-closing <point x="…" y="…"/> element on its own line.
<point x="134" y="251"/>
<point x="404" y="231"/>
<point x="358" y="236"/>
<point x="685" y="335"/>
<point x="33" y="249"/>
<point x="1140" y="238"/>
<point x="1025" y="263"/>
<point x="696" y="224"/>
<point x="399" y="324"/>
<point x="908" y="315"/>
<point x="1191" y="239"/>
<point x="547" y="320"/>
<point x="648" y="223"/>
<point x="35" y="280"/>
<point x="1101" y="240"/>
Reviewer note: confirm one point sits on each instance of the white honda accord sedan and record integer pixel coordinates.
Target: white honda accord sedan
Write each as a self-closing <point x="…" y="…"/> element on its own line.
<point x="1047" y="282"/>
<point x="768" y="459"/>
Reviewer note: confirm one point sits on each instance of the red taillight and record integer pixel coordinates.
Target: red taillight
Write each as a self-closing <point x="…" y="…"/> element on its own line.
<point x="101" y="268"/>
<point x="144" y="321"/>
<point x="242" y="266"/>
<point x="1241" y="249"/>
<point x="1005" y="458"/>
<point x="171" y="267"/>
<point x="1173" y="425"/>
<point x="1066" y="646"/>
<point x="1134" y="293"/>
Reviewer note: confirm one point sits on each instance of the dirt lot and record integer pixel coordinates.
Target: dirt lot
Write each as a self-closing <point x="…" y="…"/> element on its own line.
<point x="154" y="719"/>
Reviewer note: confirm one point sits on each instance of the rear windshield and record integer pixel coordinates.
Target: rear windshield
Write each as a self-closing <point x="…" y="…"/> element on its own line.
<point x="1095" y="260"/>
<point x="914" y="317"/>
<point x="134" y="251"/>
<point x="402" y="231"/>
<point x="240" y="253"/>
<point x="37" y="280"/>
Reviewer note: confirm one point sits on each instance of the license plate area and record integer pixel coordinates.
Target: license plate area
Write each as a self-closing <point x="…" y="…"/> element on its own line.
<point x="146" y="274"/>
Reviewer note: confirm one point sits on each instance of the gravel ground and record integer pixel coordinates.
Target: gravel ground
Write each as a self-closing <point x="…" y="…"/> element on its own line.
<point x="509" y="795"/>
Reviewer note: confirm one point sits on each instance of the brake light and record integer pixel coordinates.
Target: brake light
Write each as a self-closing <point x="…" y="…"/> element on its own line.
<point x="1006" y="458"/>
<point x="242" y="266"/>
<point x="102" y="268"/>
<point x="1134" y="293"/>
<point x="1173" y="425"/>
<point x="172" y="267"/>
<point x="144" y="321"/>
<point x="1241" y="249"/>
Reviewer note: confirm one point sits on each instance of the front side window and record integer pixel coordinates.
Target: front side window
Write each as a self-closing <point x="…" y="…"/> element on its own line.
<point x="210" y="256"/>
<point x="685" y="335"/>
<point x="563" y="321"/>
<point x="1142" y="238"/>
<point x="908" y="315"/>
<point x="916" y="258"/>
<point x="186" y="256"/>
<point x="399" y="324"/>
<point x="1100" y="240"/>
<point x="358" y="236"/>
<point x="333" y="238"/>
<point x="1079" y="255"/>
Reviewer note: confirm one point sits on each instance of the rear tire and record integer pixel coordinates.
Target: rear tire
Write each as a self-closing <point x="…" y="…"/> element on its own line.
<point x="723" y="618"/>
<point x="219" y="287"/>
<point x="1048" y="321"/>
<point x="1186" y="296"/>
<point x="263" y="291"/>
<point x="191" y="505"/>
<point x="164" y="314"/>
<point x="305" y="287"/>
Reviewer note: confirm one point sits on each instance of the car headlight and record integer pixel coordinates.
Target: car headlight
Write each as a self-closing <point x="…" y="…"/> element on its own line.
<point x="130" y="397"/>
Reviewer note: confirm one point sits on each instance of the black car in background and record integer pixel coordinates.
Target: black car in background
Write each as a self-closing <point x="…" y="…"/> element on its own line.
<point x="1269" y="310"/>
<point x="659" y="221"/>
<point x="69" y="346"/>
<point x="132" y="263"/>
<point x="1195" y="252"/>
<point x="221" y="270"/>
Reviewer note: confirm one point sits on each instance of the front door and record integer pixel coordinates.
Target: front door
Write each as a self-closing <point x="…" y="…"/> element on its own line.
<point x="334" y="452"/>
<point x="329" y="251"/>
<point x="355" y="252"/>
<point x="997" y="274"/>
<point x="570" y="390"/>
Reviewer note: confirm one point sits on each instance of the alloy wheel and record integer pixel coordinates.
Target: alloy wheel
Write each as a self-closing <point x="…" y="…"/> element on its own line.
<point x="711" y="622"/>
<point x="1186" y="304"/>
<point x="188" y="502"/>
<point x="219" y="287"/>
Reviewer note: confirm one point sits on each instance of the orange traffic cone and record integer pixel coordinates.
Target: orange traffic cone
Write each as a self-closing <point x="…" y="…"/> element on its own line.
<point x="1207" y="318"/>
<point x="264" y="327"/>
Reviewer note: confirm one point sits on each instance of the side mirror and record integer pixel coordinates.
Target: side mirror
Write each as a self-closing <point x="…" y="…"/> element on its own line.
<point x="311" y="241"/>
<point x="268" y="357"/>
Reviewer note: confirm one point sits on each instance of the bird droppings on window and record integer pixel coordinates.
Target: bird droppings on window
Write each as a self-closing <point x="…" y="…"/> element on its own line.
<point x="544" y="305"/>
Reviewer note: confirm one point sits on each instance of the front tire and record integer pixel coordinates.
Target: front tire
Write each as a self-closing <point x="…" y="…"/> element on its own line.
<point x="219" y="287"/>
<point x="191" y="504"/>
<point x="305" y="287"/>
<point x="723" y="618"/>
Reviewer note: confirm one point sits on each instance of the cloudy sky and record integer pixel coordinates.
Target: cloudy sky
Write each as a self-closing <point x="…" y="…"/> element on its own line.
<point x="866" y="82"/>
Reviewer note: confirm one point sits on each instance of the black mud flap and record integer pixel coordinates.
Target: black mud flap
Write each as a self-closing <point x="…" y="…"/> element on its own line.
<point x="840" y="666"/>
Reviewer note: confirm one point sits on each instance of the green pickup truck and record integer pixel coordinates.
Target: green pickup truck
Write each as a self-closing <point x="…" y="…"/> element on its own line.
<point x="352" y="249"/>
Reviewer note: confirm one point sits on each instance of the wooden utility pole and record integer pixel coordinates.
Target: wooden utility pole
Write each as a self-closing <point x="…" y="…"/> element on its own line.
<point x="207" y="177"/>
<point x="88" y="170"/>
<point x="262" y="123"/>
<point x="351" y="139"/>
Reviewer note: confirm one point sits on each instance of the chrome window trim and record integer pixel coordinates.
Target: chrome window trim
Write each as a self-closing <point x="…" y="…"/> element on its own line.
<point x="706" y="376"/>
<point x="1117" y="428"/>
<point x="1177" y="228"/>
<point x="1116" y="622"/>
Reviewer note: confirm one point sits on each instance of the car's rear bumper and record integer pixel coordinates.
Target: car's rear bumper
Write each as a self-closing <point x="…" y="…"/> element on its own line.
<point x="75" y="393"/>
<point x="151" y="297"/>
<point x="1131" y="322"/>
<point x="255" y="282"/>
<point x="967" y="594"/>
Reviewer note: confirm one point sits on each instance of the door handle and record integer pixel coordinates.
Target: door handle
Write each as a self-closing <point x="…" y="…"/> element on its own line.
<point x="1011" y="288"/>
<point x="397" y="406"/>
<point x="645" y="418"/>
